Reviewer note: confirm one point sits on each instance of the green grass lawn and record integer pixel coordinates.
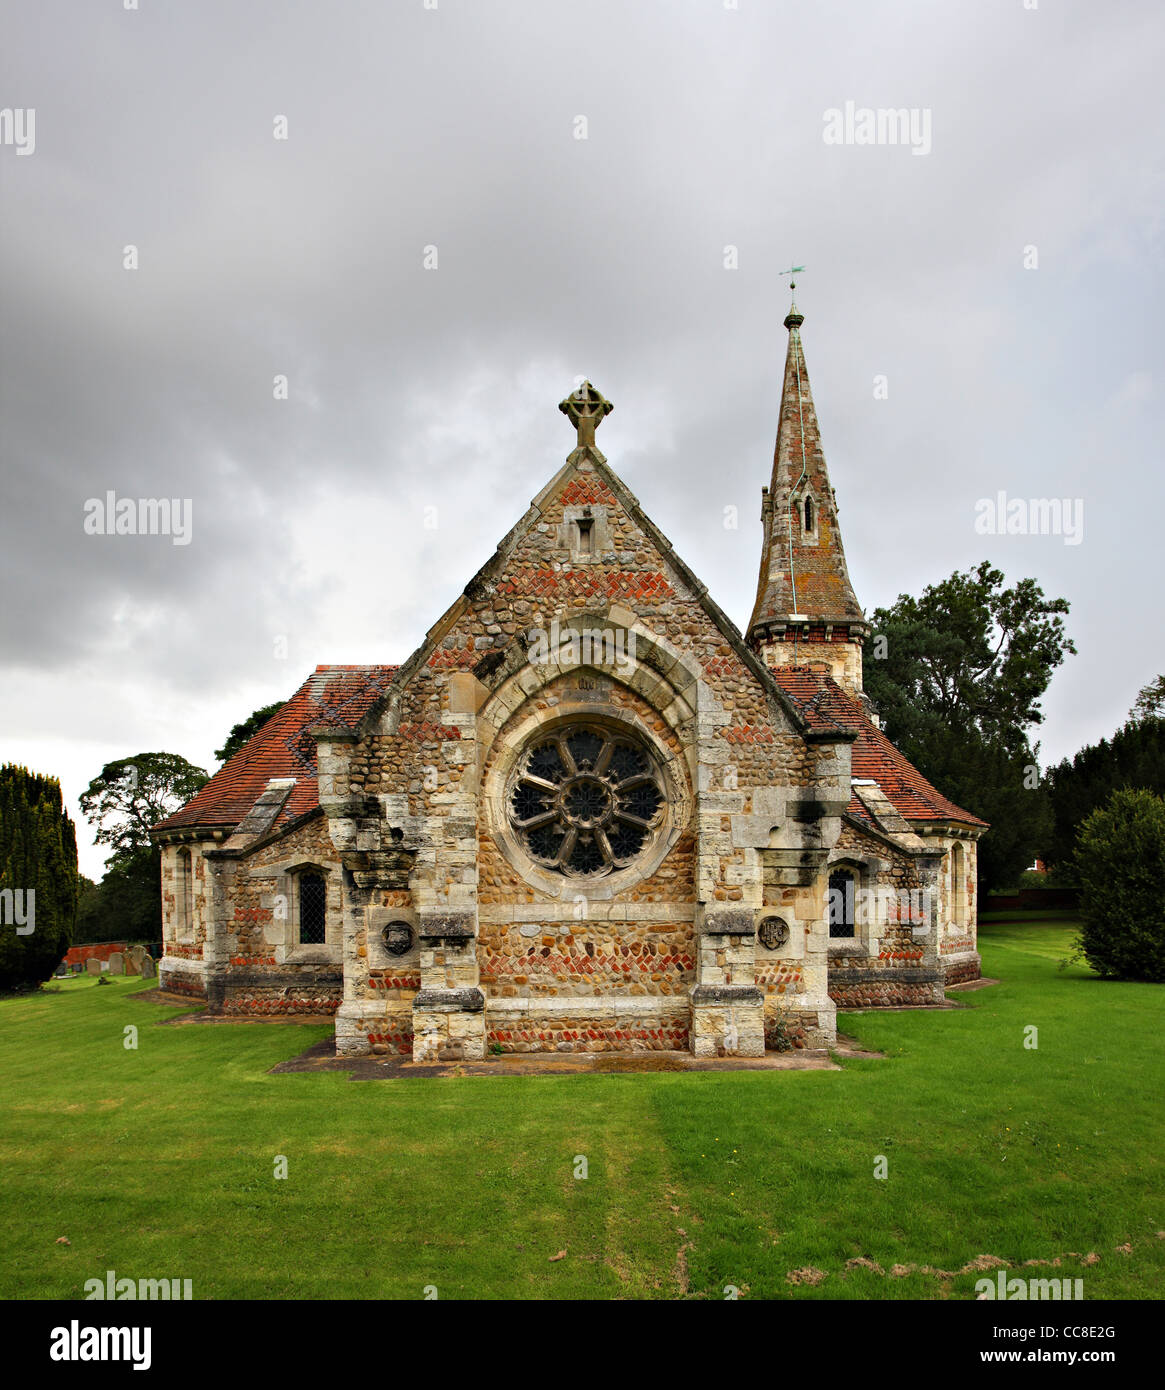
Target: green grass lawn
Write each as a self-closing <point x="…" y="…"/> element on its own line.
<point x="1030" y="914"/>
<point x="159" y="1162"/>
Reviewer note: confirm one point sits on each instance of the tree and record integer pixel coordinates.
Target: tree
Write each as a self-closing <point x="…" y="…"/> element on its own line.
<point x="1150" y="702"/>
<point x="1133" y="757"/>
<point x="128" y="798"/>
<point x="957" y="676"/>
<point x="1120" y="865"/>
<point x="131" y="897"/>
<point x="131" y="795"/>
<point x="239" y="735"/>
<point x="126" y="905"/>
<point x="89" y="921"/>
<point x="38" y="877"/>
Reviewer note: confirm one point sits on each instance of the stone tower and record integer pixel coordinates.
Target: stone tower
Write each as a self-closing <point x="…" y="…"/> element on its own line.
<point x="806" y="613"/>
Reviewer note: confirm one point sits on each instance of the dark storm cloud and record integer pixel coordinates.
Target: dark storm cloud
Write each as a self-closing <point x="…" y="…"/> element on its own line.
<point x="411" y="389"/>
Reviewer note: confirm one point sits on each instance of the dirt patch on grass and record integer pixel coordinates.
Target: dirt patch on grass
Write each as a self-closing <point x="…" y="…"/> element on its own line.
<point x="850" y="1047"/>
<point x="184" y="1001"/>
<point x="980" y="1264"/>
<point x="645" y="1061"/>
<point x="321" y="1056"/>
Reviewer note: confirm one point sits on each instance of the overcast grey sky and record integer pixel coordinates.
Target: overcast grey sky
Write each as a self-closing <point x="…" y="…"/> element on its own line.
<point x="455" y="126"/>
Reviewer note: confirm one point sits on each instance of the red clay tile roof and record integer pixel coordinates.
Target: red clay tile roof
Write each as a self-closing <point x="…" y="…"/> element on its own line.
<point x="342" y="695"/>
<point x="826" y="706"/>
<point x="859" y="812"/>
<point x="284" y="748"/>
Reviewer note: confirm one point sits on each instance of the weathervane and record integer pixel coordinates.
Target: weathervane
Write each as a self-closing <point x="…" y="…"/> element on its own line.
<point x="793" y="270"/>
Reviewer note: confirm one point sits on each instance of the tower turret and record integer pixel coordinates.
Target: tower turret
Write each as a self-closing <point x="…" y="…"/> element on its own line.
<point x="806" y="613"/>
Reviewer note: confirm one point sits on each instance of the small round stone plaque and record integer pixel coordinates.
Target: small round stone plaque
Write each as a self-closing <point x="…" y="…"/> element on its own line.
<point x="398" y="938"/>
<point x="773" y="933"/>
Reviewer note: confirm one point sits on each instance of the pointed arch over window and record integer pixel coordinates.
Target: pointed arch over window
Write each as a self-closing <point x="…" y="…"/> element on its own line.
<point x="808" y="513"/>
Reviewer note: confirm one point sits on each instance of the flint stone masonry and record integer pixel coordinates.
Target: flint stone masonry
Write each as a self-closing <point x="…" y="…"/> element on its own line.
<point x="572" y="805"/>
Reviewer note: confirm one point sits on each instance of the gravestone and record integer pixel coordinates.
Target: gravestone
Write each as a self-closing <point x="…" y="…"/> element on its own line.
<point x="117" y="963"/>
<point x="133" y="960"/>
<point x="148" y="968"/>
<point x="93" y="966"/>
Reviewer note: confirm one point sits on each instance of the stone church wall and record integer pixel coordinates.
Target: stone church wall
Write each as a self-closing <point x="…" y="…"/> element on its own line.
<point x="246" y="955"/>
<point x="889" y="962"/>
<point x="959" y="958"/>
<point x="182" y="969"/>
<point x="579" y="962"/>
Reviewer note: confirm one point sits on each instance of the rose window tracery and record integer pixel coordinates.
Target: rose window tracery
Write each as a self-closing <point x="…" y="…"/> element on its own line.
<point x="586" y="800"/>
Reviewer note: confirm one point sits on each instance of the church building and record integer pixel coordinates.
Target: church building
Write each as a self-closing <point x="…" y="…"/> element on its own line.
<point x="588" y="813"/>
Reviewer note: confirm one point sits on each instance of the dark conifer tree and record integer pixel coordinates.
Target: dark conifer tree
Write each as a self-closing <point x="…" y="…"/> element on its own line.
<point x="39" y="883"/>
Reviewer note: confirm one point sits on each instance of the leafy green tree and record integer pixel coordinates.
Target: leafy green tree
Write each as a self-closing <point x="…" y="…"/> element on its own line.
<point x="131" y="897"/>
<point x="239" y="735"/>
<point x="126" y="799"/>
<point x="38" y="877"/>
<point x="957" y="675"/>
<point x="1133" y="757"/>
<point x="131" y="795"/>
<point x="1120" y="865"/>
<point x="126" y="905"/>
<point x="89" y="920"/>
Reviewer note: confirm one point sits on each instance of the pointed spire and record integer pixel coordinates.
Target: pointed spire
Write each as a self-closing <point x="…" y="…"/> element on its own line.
<point x="806" y="611"/>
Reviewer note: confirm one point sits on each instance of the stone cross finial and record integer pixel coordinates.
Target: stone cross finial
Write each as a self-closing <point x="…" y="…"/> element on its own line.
<point x="585" y="409"/>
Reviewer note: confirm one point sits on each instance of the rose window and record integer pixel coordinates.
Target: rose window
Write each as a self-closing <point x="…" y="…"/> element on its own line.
<point x="586" y="801"/>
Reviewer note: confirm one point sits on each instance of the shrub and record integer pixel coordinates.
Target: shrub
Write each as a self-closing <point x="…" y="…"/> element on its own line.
<point x="1120" y="863"/>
